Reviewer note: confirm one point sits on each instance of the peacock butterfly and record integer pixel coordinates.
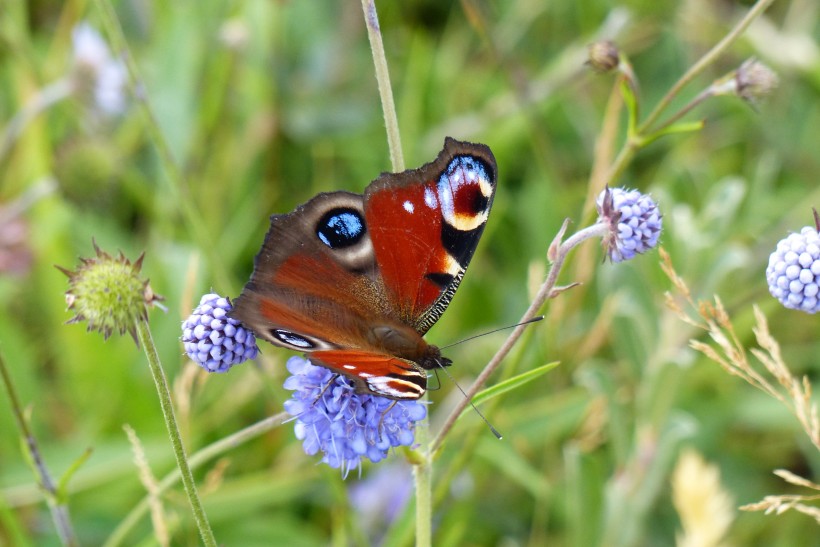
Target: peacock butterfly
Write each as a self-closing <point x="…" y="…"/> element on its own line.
<point x="355" y="281"/>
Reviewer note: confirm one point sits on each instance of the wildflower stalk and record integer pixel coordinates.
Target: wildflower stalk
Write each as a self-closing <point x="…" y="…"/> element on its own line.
<point x="147" y="342"/>
<point x="51" y="492"/>
<point x="423" y="477"/>
<point x="391" y="121"/>
<point x="548" y="290"/>
<point x="707" y="59"/>
<point x="196" y="460"/>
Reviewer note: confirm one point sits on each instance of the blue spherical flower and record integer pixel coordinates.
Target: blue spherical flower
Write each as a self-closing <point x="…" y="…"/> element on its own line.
<point x="634" y="220"/>
<point x="344" y="425"/>
<point x="213" y="340"/>
<point x="793" y="273"/>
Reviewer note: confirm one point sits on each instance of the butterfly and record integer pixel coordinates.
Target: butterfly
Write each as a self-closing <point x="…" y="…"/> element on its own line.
<point x="355" y="280"/>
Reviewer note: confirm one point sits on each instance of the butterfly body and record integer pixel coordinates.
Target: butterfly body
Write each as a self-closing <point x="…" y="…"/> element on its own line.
<point x="355" y="281"/>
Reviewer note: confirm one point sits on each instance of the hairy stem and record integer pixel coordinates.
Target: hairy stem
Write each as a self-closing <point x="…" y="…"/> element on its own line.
<point x="147" y="342"/>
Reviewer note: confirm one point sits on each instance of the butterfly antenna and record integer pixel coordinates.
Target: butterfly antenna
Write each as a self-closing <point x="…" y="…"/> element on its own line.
<point x="486" y="421"/>
<point x="527" y="322"/>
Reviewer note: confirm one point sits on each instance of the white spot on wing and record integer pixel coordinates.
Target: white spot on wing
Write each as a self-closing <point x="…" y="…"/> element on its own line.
<point x="408" y="206"/>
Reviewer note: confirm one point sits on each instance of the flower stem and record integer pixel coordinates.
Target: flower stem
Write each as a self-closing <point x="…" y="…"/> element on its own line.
<point x="423" y="475"/>
<point x="705" y="61"/>
<point x="59" y="510"/>
<point x="197" y="459"/>
<point x="391" y="121"/>
<point x="147" y="342"/>
<point x="547" y="290"/>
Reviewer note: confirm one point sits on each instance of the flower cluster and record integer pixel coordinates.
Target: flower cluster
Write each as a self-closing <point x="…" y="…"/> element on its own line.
<point x="634" y="221"/>
<point x="344" y="425"/>
<point x="213" y="340"/>
<point x="793" y="273"/>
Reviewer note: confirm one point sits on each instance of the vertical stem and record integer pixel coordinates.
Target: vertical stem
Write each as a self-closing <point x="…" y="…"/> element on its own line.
<point x="423" y="475"/>
<point x="59" y="511"/>
<point x="147" y="342"/>
<point x="391" y="121"/>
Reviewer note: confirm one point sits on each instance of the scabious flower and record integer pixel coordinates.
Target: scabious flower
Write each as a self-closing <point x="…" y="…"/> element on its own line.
<point x="634" y="221"/>
<point x="108" y="293"/>
<point x="97" y="76"/>
<point x="215" y="341"/>
<point x="793" y="273"/>
<point x="344" y="425"/>
<point x="752" y="81"/>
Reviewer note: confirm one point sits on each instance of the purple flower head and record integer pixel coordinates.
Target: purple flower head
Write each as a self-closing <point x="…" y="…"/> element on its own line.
<point x="344" y="425"/>
<point x="634" y="221"/>
<point x="213" y="340"/>
<point x="793" y="273"/>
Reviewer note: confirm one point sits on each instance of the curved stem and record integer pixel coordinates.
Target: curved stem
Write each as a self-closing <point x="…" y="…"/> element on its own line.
<point x="147" y="342"/>
<point x="548" y="289"/>
<point x="59" y="510"/>
<point x="197" y="459"/>
<point x="705" y="61"/>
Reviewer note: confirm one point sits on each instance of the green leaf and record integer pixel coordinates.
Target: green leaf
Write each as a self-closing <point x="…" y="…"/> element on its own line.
<point x="512" y="383"/>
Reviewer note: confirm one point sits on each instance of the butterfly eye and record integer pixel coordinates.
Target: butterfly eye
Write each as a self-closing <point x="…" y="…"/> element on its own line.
<point x="341" y="228"/>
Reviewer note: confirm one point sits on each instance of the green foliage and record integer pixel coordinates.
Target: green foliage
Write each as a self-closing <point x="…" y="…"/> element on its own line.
<point x="263" y="104"/>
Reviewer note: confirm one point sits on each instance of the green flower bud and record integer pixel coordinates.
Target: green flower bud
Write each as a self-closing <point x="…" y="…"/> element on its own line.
<point x="108" y="293"/>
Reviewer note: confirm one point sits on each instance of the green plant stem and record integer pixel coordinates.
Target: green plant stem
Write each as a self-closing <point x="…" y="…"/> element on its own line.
<point x="180" y="190"/>
<point x="705" y="61"/>
<point x="196" y="460"/>
<point x="147" y="342"/>
<point x="391" y="121"/>
<point x="423" y="477"/>
<point x="59" y="510"/>
<point x="548" y="290"/>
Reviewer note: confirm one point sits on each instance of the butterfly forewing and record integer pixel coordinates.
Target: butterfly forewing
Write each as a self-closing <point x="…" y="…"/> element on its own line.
<point x="425" y="225"/>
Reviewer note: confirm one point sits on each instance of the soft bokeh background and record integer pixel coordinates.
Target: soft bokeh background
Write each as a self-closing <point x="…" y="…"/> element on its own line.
<point x="264" y="103"/>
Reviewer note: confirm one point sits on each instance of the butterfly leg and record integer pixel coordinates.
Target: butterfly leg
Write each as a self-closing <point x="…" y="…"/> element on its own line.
<point x="381" y="420"/>
<point x="324" y="389"/>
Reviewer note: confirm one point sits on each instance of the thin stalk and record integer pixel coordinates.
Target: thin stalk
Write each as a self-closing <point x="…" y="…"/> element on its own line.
<point x="59" y="510"/>
<point x="423" y="477"/>
<point x="196" y="460"/>
<point x="147" y="342"/>
<point x="391" y="121"/>
<point x="705" y="61"/>
<point x="547" y="290"/>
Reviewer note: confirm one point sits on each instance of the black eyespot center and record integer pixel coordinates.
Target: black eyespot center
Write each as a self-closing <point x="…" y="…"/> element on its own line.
<point x="341" y="227"/>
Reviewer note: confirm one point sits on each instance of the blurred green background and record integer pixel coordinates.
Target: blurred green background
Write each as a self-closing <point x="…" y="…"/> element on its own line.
<point x="264" y="103"/>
